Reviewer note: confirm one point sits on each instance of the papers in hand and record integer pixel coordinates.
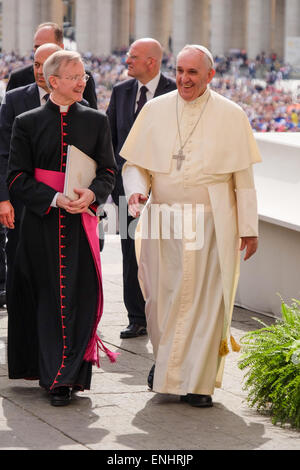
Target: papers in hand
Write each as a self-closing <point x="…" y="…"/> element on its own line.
<point x="80" y="172"/>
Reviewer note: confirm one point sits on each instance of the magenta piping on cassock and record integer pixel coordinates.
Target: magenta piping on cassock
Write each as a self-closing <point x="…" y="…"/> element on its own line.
<point x="56" y="179"/>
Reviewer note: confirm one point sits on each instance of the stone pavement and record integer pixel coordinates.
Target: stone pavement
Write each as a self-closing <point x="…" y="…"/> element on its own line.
<point x="119" y="412"/>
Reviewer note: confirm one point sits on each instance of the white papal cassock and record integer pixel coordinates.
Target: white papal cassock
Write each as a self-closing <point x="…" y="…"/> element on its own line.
<point x="188" y="250"/>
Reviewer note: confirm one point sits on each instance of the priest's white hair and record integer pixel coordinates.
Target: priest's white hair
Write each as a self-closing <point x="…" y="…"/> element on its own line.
<point x="52" y="64"/>
<point x="203" y="49"/>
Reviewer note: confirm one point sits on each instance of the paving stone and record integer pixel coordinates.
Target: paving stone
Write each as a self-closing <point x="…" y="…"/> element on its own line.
<point x="119" y="413"/>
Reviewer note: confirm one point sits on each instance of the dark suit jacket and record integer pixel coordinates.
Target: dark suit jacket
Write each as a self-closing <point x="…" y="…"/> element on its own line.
<point x="25" y="76"/>
<point x="121" y="110"/>
<point x="15" y="102"/>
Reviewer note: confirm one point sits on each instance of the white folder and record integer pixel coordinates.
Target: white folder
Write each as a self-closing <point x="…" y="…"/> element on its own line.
<point x="80" y="171"/>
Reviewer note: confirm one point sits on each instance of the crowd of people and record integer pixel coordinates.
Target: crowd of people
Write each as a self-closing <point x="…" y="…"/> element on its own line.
<point x="269" y="108"/>
<point x="256" y="85"/>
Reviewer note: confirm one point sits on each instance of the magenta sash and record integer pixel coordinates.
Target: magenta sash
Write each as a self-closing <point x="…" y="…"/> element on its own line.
<point x="56" y="180"/>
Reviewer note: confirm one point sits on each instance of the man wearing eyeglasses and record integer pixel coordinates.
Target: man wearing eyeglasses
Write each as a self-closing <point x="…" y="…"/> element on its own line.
<point x="144" y="63"/>
<point x="56" y="297"/>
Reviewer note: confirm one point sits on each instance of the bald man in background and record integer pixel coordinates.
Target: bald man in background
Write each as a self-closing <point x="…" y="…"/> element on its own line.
<point x="144" y="63"/>
<point x="49" y="33"/>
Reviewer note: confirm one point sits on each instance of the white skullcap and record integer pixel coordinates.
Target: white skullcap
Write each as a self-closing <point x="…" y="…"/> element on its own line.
<point x="202" y="49"/>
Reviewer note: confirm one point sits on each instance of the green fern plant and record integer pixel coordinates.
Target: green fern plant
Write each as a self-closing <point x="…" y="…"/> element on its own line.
<point x="271" y="358"/>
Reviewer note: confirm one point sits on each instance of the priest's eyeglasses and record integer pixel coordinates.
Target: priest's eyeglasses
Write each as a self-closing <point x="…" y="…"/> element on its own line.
<point x="76" y="78"/>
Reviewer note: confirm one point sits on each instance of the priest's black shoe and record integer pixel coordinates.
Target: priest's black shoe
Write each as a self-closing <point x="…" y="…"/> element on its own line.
<point x="61" y="396"/>
<point x="201" y="401"/>
<point x="151" y="377"/>
<point x="133" y="330"/>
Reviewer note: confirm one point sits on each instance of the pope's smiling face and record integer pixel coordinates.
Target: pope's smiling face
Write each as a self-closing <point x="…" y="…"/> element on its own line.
<point x="193" y="73"/>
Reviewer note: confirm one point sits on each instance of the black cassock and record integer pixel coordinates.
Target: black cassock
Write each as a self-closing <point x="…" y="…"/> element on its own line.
<point x="55" y="292"/>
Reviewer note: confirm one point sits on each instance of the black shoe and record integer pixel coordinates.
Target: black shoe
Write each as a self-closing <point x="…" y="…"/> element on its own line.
<point x="61" y="396"/>
<point x="2" y="298"/>
<point x="133" y="330"/>
<point x="201" y="401"/>
<point x="151" y="377"/>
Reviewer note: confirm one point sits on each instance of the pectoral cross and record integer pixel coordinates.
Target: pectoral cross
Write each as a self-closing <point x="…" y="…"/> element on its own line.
<point x="179" y="157"/>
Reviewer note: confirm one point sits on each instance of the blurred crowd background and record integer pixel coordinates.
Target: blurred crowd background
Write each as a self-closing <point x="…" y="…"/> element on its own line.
<point x="262" y="86"/>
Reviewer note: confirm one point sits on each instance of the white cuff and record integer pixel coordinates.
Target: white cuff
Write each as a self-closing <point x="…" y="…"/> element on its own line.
<point x="53" y="203"/>
<point x="135" y="180"/>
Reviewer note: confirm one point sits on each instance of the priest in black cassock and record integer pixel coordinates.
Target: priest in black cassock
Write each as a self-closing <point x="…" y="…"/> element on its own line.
<point x="57" y="298"/>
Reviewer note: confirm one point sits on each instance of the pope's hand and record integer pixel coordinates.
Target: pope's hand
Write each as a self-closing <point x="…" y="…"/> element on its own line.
<point x="250" y="243"/>
<point x="134" y="204"/>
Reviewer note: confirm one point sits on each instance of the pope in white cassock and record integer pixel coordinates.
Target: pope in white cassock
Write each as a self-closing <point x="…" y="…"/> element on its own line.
<point x="192" y="150"/>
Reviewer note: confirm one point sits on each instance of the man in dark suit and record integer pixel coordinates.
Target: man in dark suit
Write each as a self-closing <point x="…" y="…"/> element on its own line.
<point x="144" y="62"/>
<point x="48" y="33"/>
<point x="14" y="103"/>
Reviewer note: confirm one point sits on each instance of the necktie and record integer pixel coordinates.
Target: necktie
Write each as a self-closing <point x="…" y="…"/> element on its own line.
<point x="45" y="97"/>
<point x="142" y="100"/>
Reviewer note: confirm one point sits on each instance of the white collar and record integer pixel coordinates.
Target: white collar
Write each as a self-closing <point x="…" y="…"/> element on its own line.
<point x="197" y="101"/>
<point x="152" y="85"/>
<point x="42" y="93"/>
<point x="62" y="108"/>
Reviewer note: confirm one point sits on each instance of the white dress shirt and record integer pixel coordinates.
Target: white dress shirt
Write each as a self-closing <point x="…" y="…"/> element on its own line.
<point x="152" y="85"/>
<point x="42" y="93"/>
